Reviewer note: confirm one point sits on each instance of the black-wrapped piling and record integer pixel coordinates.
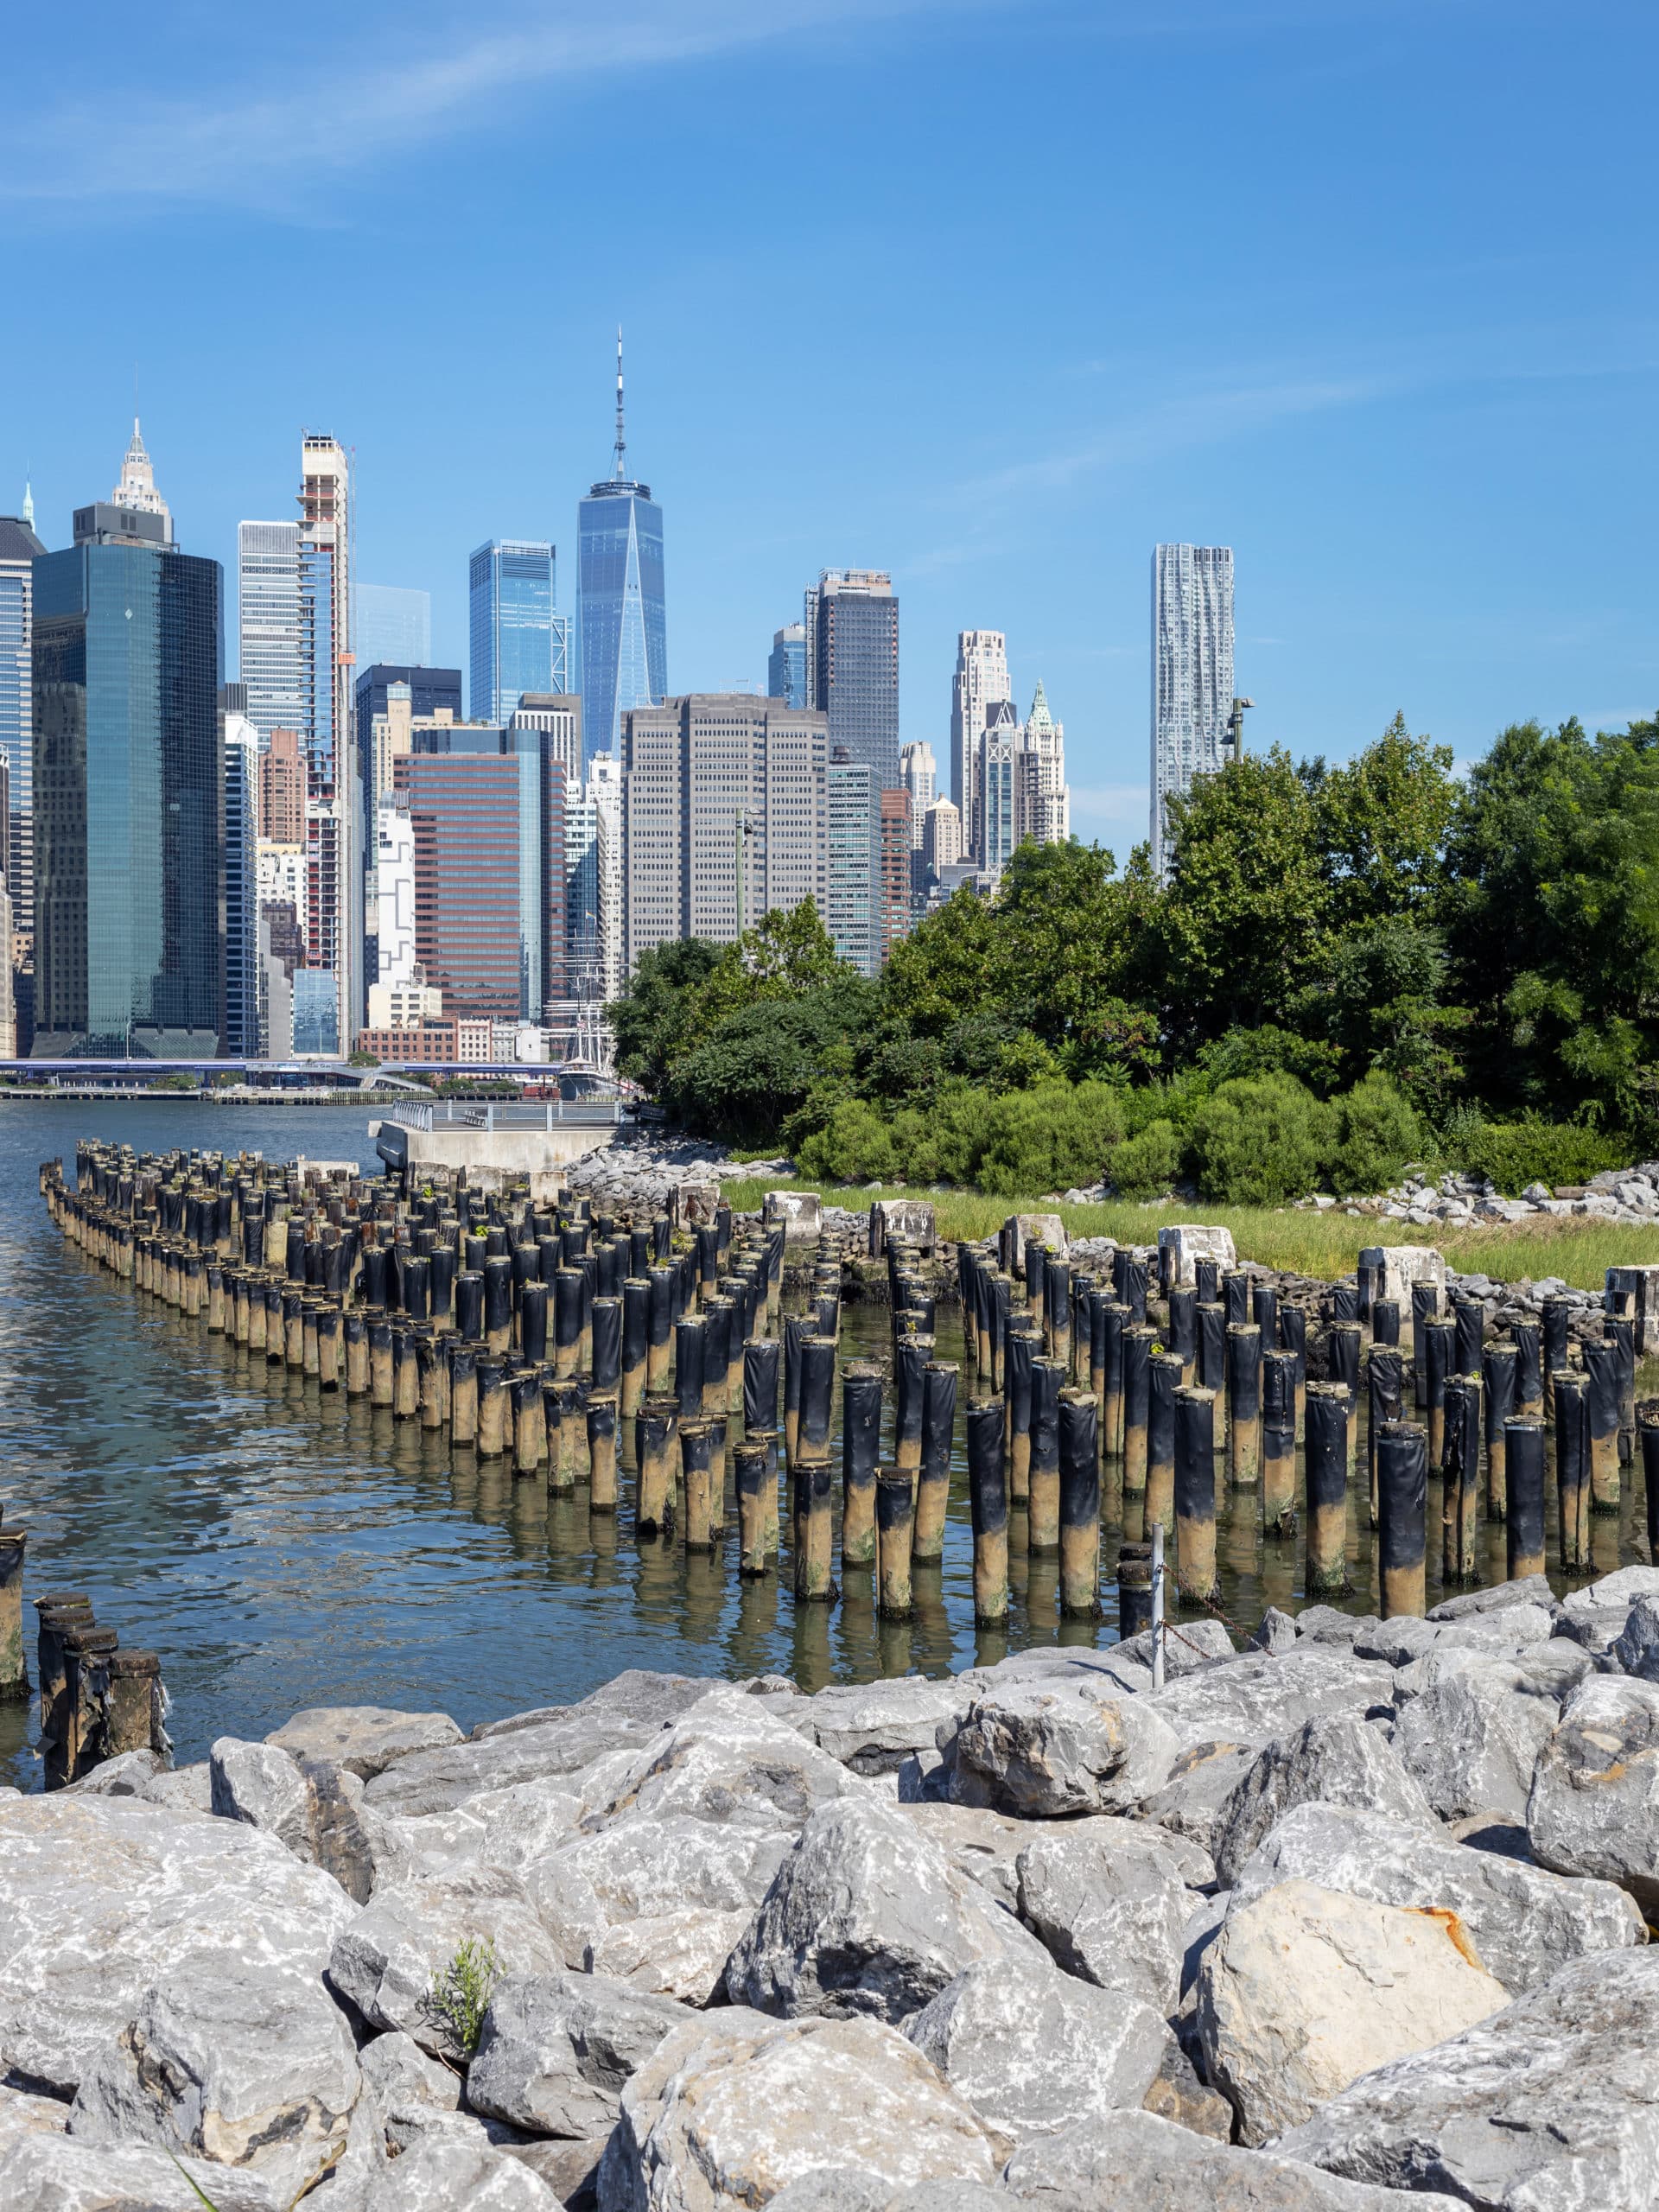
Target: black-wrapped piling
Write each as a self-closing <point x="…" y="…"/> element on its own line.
<point x="987" y="1502"/>
<point x="1079" y="1505"/>
<point x="1402" y="1505"/>
<point x="933" y="1477"/>
<point x="1195" y="1496"/>
<point x="861" y="1450"/>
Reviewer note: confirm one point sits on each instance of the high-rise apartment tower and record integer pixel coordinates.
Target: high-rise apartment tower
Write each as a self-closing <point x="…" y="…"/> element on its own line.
<point x="979" y="681"/>
<point x="1192" y="671"/>
<point x="19" y="549"/>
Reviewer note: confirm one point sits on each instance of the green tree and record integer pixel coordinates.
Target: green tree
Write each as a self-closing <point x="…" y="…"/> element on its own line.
<point x="1382" y="820"/>
<point x="652" y="1020"/>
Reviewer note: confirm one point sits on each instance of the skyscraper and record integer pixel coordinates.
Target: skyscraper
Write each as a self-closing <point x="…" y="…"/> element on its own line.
<point x="130" y="939"/>
<point x="852" y="890"/>
<point x="268" y="625"/>
<point x="328" y="729"/>
<point x="390" y="624"/>
<point x="852" y="665"/>
<point x="19" y="549"/>
<point x="786" y="664"/>
<point x="722" y="816"/>
<point x="519" y="642"/>
<point x="240" y="743"/>
<point x="918" y="772"/>
<point x="1191" y="671"/>
<point x="621" y="612"/>
<point x="996" y="780"/>
<point x="981" y="680"/>
<point x="897" y="841"/>
<point x="387" y="698"/>
<point x="1042" y="803"/>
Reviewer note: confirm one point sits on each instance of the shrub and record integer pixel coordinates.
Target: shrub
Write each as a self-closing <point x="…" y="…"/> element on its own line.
<point x="1514" y="1154"/>
<point x="460" y="1996"/>
<point x="855" y="1146"/>
<point x="1051" y="1138"/>
<point x="1262" y="1140"/>
<point x="1377" y="1133"/>
<point x="1144" y="1165"/>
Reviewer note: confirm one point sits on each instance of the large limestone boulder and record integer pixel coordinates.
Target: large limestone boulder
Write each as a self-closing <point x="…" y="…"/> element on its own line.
<point x="1305" y="1989"/>
<point x="255" y="2069"/>
<point x="1111" y="1899"/>
<point x="1594" y="1804"/>
<point x="1333" y="1759"/>
<point x="1473" y="1737"/>
<point x="1596" y="1617"/>
<point x="873" y="1726"/>
<point x="441" y="2173"/>
<point x="1526" y="1924"/>
<point x="387" y="1960"/>
<point x="1202" y="1780"/>
<point x="100" y="1898"/>
<point x="396" y="2071"/>
<point x="729" y="1763"/>
<point x="867" y="1916"/>
<point x="1135" y="2163"/>
<point x="555" y="2050"/>
<point x="1034" y="2052"/>
<point x="40" y="2172"/>
<point x="510" y="1828"/>
<point x="736" y="2115"/>
<point x="312" y="1809"/>
<point x="364" y="1740"/>
<point x="1047" y="1751"/>
<point x="1553" y="2102"/>
<point x="1262" y="1695"/>
<point x="657" y="1903"/>
<point x="982" y="1845"/>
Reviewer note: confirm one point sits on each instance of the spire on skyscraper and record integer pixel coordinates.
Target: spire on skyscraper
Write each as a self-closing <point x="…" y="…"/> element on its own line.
<point x="1039" y="718"/>
<point x="137" y="488"/>
<point x="29" y="503"/>
<point x="618" y="472"/>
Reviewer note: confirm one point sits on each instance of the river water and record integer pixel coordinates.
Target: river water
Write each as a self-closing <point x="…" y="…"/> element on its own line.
<point x="282" y="1549"/>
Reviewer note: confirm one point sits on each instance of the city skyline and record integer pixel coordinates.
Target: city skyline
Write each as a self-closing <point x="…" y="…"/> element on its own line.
<point x="1416" y="434"/>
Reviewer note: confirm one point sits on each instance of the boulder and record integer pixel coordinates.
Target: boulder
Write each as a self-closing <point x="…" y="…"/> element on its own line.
<point x="386" y="1961"/>
<point x="1553" y="2102"/>
<point x="54" y="2173"/>
<point x="982" y="1845"/>
<point x="873" y="1726"/>
<point x="364" y="1740"/>
<point x="1109" y="1899"/>
<point x="1305" y="1989"/>
<point x="1333" y="1759"/>
<point x="442" y="2173"/>
<point x="1200" y="1783"/>
<point x="555" y="2050"/>
<point x="255" y="2068"/>
<point x="23" y="2114"/>
<point x="867" y="1916"/>
<point x="1525" y="1924"/>
<point x="1198" y="1644"/>
<point x="1637" y="1645"/>
<point x="1330" y="1624"/>
<point x="396" y="2071"/>
<point x="735" y="2118"/>
<point x="1594" y="1804"/>
<point x="1261" y="1695"/>
<point x="730" y="1764"/>
<point x="511" y="1829"/>
<point x="1595" y="1616"/>
<point x="1135" y="2163"/>
<point x="657" y="1902"/>
<point x="1033" y="2051"/>
<point x="1495" y="1598"/>
<point x="309" y="1806"/>
<point x="1275" y="1633"/>
<point x="1471" y="1737"/>
<point x="100" y="1898"/>
<point x="1044" y="1751"/>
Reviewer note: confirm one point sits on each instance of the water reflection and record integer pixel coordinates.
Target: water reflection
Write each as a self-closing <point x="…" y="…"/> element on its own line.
<point x="280" y="1548"/>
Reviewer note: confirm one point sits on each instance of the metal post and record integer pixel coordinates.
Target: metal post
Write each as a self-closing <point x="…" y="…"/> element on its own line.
<point x="1156" y="1604"/>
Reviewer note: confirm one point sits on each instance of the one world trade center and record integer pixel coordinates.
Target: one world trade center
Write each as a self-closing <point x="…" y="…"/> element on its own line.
<point x="623" y="623"/>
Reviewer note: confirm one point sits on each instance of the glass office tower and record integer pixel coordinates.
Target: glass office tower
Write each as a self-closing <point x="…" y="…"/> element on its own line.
<point x="130" y="951"/>
<point x="391" y="624"/>
<point x="786" y="664"/>
<point x="19" y="550"/>
<point x="620" y="609"/>
<point x="852" y="665"/>
<point x="519" y="643"/>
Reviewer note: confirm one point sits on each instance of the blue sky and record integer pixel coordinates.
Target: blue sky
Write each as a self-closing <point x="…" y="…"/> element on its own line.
<point x="994" y="295"/>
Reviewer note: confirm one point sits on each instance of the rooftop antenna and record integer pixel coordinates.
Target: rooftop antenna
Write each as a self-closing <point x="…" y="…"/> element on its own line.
<point x="621" y="442"/>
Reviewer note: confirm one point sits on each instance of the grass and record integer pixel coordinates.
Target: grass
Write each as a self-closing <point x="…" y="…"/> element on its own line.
<point x="1327" y="1245"/>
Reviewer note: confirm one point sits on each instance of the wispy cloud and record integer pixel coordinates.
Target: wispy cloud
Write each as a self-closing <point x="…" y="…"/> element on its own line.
<point x="346" y="110"/>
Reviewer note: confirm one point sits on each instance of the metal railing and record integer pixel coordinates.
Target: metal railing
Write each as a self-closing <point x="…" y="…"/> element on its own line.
<point x="512" y="1114"/>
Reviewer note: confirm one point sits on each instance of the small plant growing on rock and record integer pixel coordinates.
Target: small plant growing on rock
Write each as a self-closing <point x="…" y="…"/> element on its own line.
<point x="460" y="1996"/>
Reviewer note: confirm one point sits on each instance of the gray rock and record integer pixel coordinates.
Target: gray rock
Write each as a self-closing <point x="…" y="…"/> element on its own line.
<point x="102" y="1896"/>
<point x="1261" y="1696"/>
<point x="982" y="1845"/>
<point x="730" y="1764"/>
<point x="657" y="1903"/>
<point x="54" y="2173"/>
<point x="310" y="1808"/>
<point x="1495" y="1598"/>
<point x="1276" y="1633"/>
<point x="867" y="1916"/>
<point x="1110" y="1900"/>
<point x="1637" y="1645"/>
<point x="396" y="2071"/>
<point x="1526" y="1924"/>
<point x="182" y="1789"/>
<point x="1594" y="1805"/>
<point x="1552" y="2102"/>
<point x="1033" y="2052"/>
<point x="1190" y="1653"/>
<point x="23" y="2114"/>
<point x="443" y="2173"/>
<point x="1045" y="1751"/>
<point x="735" y="2117"/>
<point x="1595" y="1616"/>
<point x="836" y="2189"/>
<point x="1333" y="1759"/>
<point x="1397" y="1642"/>
<point x="555" y="2050"/>
<point x="252" y="2068"/>
<point x="385" y="1961"/>
<point x="364" y="1740"/>
<point x="1135" y="2163"/>
<point x="1200" y="1784"/>
<point x="128" y="1774"/>
<point x="873" y="1726"/>
<point x="511" y="1829"/>
<point x="1307" y="1988"/>
<point x="1471" y="1737"/>
<point x="706" y="2038"/>
<point x="1329" y="1625"/>
<point x="438" y="1781"/>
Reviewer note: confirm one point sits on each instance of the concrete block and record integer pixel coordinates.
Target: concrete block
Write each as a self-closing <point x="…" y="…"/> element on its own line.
<point x="1191" y="1241"/>
<point x="1406" y="1264"/>
<point x="799" y="1213"/>
<point x="910" y="1220"/>
<point x="696" y="1202"/>
<point x="1019" y="1228"/>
